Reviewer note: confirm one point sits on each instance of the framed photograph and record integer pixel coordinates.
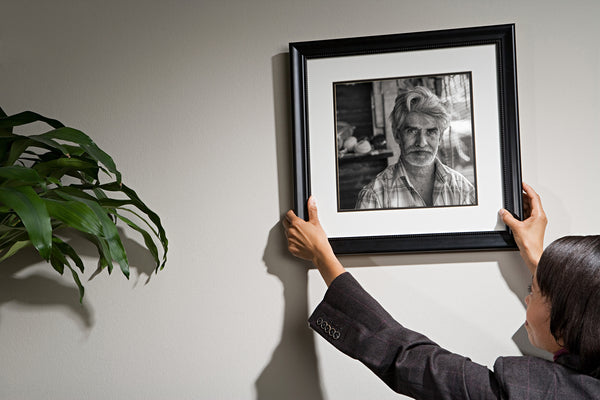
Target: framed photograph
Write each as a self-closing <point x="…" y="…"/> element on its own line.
<point x="409" y="142"/>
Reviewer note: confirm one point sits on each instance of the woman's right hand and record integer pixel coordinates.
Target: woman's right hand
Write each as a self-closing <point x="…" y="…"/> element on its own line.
<point x="529" y="233"/>
<point x="308" y="240"/>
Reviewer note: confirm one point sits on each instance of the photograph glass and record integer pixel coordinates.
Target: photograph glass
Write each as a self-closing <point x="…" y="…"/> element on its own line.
<point x="373" y="171"/>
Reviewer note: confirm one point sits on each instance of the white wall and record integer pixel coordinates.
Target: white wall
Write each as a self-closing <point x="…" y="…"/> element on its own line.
<point x="192" y="101"/>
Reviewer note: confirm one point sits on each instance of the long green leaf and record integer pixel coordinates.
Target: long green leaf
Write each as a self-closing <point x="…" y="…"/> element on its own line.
<point x="139" y="204"/>
<point x="48" y="143"/>
<point x="20" y="145"/>
<point x="23" y="175"/>
<point x="68" y="192"/>
<point x="78" y="283"/>
<point x="27" y="117"/>
<point x="15" y="248"/>
<point x="75" y="214"/>
<point x="34" y="215"/>
<point x="113" y="240"/>
<point x="83" y="140"/>
<point x="104" y="259"/>
<point x="109" y="229"/>
<point x="61" y="166"/>
<point x="67" y="250"/>
<point x="12" y="230"/>
<point x="147" y="238"/>
<point x="119" y="204"/>
<point x="137" y="214"/>
<point x="6" y="141"/>
<point x="58" y="260"/>
<point x="17" y="148"/>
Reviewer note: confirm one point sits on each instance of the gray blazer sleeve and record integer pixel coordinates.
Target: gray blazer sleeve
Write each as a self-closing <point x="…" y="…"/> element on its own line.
<point x="408" y="362"/>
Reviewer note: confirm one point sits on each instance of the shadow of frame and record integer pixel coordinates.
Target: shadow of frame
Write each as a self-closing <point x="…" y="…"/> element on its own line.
<point x="292" y="373"/>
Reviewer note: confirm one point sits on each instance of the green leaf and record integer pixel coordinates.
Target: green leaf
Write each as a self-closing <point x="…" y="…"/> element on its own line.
<point x="23" y="175"/>
<point x="139" y="204"/>
<point x="67" y="250"/>
<point x="15" y="248"/>
<point x="104" y="259"/>
<point x="110" y="242"/>
<point x="113" y="240"/>
<point x="83" y="140"/>
<point x="17" y="148"/>
<point x="27" y="117"/>
<point x="75" y="214"/>
<point x="137" y="214"/>
<point x="58" y="260"/>
<point x="34" y="215"/>
<point x="62" y="166"/>
<point x="78" y="282"/>
<point x="147" y="238"/>
<point x="6" y="141"/>
<point x="48" y="143"/>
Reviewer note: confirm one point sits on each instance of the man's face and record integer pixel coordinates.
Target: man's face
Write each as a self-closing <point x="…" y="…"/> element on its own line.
<point x="419" y="139"/>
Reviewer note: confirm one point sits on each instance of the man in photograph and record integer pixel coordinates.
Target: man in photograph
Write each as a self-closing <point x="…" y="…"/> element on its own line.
<point x="419" y="178"/>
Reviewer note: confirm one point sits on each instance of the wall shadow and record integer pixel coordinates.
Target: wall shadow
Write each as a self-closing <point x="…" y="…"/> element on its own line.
<point x="40" y="290"/>
<point x="44" y="290"/>
<point x="292" y="373"/>
<point x="512" y="269"/>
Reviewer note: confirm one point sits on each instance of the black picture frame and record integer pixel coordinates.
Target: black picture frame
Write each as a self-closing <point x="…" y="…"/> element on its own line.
<point x="499" y="42"/>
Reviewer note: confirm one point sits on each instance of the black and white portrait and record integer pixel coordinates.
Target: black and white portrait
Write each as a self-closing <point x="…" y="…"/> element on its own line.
<point x="409" y="142"/>
<point x="405" y="143"/>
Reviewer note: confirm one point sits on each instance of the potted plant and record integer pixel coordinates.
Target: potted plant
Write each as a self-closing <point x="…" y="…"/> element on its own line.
<point x="58" y="183"/>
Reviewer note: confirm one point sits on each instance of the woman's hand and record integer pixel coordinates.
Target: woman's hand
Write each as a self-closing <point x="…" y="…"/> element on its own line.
<point x="529" y="233"/>
<point x="308" y="240"/>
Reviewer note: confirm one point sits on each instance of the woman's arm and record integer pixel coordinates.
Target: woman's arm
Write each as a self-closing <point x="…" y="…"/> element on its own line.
<point x="356" y="324"/>
<point x="529" y="233"/>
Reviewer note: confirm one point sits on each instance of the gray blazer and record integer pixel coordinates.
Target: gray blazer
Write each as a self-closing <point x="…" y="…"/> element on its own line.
<point x="411" y="364"/>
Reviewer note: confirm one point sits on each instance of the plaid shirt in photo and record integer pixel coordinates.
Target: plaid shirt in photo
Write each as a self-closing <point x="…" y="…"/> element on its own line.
<point x="392" y="189"/>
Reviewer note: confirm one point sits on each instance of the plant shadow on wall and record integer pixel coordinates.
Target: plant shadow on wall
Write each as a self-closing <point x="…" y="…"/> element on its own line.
<point x="292" y="372"/>
<point x="58" y="193"/>
<point x="27" y="289"/>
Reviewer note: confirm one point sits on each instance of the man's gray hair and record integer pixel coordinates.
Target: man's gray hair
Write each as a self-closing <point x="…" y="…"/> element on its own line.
<point x="420" y="100"/>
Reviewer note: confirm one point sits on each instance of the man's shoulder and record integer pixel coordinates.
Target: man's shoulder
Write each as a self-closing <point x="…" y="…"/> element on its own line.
<point x="452" y="175"/>
<point x="385" y="176"/>
<point x="388" y="172"/>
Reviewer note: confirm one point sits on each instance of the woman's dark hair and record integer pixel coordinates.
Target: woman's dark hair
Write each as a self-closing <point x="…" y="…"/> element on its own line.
<point x="568" y="274"/>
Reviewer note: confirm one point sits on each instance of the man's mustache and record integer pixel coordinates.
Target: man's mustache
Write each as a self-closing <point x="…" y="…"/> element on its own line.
<point x="419" y="149"/>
